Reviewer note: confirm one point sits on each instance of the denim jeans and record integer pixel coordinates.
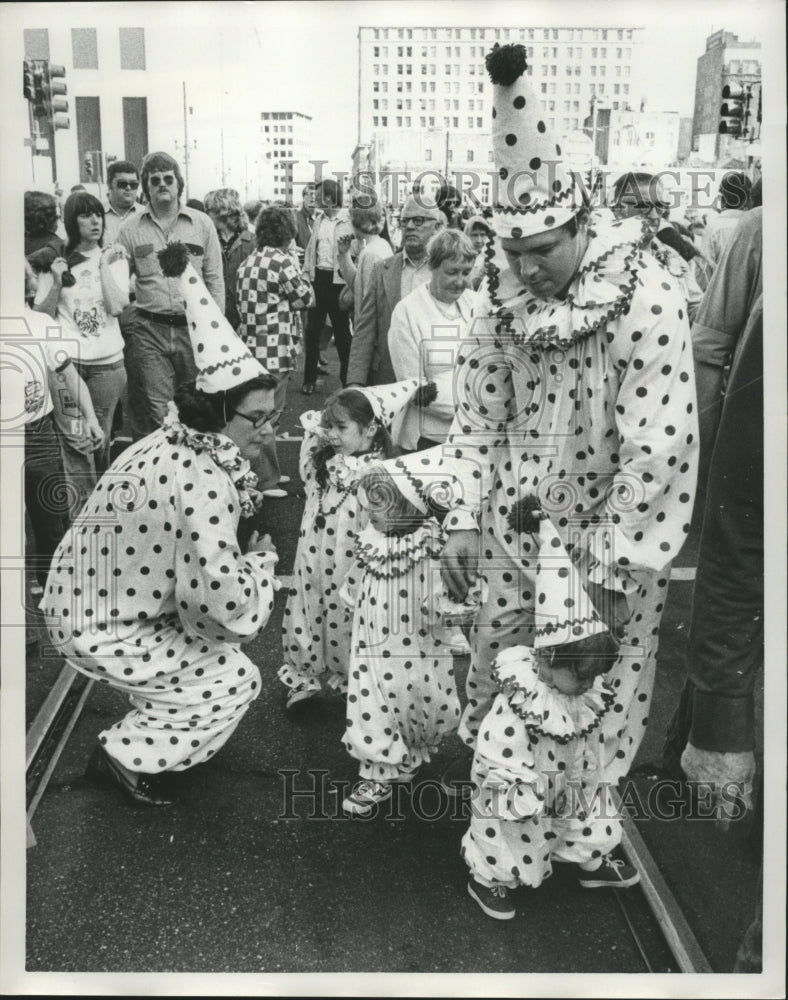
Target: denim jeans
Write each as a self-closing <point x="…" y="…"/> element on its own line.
<point x="45" y="498"/>
<point x="105" y="384"/>
<point x="159" y="358"/>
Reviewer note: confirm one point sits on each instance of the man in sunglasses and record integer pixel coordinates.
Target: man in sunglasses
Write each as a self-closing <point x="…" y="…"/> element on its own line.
<point x="392" y="279"/>
<point x="123" y="185"/>
<point x="159" y="355"/>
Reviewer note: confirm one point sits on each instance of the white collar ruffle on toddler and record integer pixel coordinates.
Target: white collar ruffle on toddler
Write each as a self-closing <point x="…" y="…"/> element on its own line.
<point x="546" y="711"/>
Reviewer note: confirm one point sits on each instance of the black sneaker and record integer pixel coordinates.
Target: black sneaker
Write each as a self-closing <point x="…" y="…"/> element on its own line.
<point x="615" y="872"/>
<point x="456" y="779"/>
<point x="494" y="900"/>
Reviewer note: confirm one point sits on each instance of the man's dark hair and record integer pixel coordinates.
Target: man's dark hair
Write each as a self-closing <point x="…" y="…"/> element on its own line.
<point x="632" y="182"/>
<point x="156" y="162"/>
<point x="275" y="227"/>
<point x="330" y="189"/>
<point x="120" y="167"/>
<point x="735" y="190"/>
<point x="40" y="213"/>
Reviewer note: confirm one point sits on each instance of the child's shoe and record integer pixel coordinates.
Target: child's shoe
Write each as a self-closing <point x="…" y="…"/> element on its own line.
<point x="615" y="872"/>
<point x="299" y="694"/>
<point x="366" y="797"/>
<point x="494" y="900"/>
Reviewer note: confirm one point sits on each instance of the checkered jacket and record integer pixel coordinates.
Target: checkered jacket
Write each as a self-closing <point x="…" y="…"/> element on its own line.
<point x="271" y="286"/>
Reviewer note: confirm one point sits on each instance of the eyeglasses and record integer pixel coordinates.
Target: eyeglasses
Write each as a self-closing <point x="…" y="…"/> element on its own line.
<point x="127" y="185"/>
<point x="416" y="220"/>
<point x="157" y="180"/>
<point x="257" y="422"/>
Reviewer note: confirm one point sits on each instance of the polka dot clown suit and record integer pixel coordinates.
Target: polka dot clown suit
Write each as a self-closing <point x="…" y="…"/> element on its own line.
<point x="588" y="401"/>
<point x="539" y="765"/>
<point x="315" y="629"/>
<point x="149" y="592"/>
<point x="402" y="695"/>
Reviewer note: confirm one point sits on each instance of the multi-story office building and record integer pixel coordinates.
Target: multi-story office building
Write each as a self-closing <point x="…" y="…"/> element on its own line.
<point x="109" y="95"/>
<point x="290" y="136"/>
<point x="428" y="87"/>
<point x="725" y="61"/>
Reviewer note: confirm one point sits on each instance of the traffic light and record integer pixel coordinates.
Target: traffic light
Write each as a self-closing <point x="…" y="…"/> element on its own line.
<point x="89" y="165"/>
<point x="734" y="112"/>
<point x="56" y="91"/>
<point x="40" y="88"/>
<point x="28" y="81"/>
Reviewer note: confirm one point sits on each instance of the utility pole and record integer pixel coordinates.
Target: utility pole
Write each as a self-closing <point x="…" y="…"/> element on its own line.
<point x="185" y="140"/>
<point x="446" y="159"/>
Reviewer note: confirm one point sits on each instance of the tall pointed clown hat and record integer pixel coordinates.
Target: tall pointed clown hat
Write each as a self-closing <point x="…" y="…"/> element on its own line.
<point x="535" y="191"/>
<point x="424" y="479"/>
<point x="389" y="401"/>
<point x="563" y="611"/>
<point x="222" y="359"/>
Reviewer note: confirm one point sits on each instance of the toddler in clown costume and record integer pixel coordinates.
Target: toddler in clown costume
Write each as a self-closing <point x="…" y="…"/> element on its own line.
<point x="539" y="789"/>
<point x="402" y="695"/>
<point x="340" y="444"/>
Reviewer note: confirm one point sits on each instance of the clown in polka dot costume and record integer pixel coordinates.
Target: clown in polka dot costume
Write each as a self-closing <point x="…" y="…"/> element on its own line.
<point x="340" y="445"/>
<point x="575" y="383"/>
<point x="539" y="768"/>
<point x="149" y="591"/>
<point x="402" y="696"/>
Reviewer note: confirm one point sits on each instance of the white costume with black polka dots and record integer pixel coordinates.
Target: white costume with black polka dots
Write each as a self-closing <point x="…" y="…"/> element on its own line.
<point x="149" y="593"/>
<point x="315" y="629"/>
<point x="589" y="402"/>
<point x="402" y="697"/>
<point x="539" y="789"/>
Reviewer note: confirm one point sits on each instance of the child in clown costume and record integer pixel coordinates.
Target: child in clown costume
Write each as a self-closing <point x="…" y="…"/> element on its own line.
<point x="539" y="774"/>
<point x="340" y="444"/>
<point x="402" y="696"/>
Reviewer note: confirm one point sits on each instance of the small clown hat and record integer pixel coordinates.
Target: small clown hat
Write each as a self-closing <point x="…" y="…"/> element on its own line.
<point x="423" y="479"/>
<point x="535" y="191"/>
<point x="388" y="401"/>
<point x="223" y="360"/>
<point x="563" y="611"/>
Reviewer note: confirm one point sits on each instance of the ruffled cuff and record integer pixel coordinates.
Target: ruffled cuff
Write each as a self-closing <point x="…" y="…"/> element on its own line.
<point x="461" y="519"/>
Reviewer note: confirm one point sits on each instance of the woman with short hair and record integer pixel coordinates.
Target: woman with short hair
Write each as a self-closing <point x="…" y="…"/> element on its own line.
<point x="368" y="222"/>
<point x="426" y="330"/>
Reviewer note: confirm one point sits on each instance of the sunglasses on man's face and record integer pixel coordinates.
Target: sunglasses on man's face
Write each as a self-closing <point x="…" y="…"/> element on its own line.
<point x="158" y="179"/>
<point x="127" y="185"/>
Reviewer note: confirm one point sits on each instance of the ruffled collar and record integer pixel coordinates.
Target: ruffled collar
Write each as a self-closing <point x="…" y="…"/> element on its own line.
<point x="548" y="712"/>
<point x="224" y="453"/>
<point x="388" y="556"/>
<point x="600" y="292"/>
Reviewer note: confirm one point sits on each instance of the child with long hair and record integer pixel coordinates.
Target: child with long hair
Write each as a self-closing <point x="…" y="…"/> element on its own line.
<point x="340" y="445"/>
<point x="539" y="787"/>
<point x="402" y="695"/>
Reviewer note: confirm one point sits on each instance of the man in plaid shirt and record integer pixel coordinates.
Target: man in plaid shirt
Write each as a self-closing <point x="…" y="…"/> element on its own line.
<point x="271" y="289"/>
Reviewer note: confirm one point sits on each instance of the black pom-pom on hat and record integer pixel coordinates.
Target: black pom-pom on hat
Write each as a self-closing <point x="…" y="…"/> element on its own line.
<point x="425" y="394"/>
<point x="526" y="515"/>
<point x="173" y="259"/>
<point x="506" y="63"/>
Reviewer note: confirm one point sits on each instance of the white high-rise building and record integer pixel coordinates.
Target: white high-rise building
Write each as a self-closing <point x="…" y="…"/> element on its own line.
<point x="290" y="136"/>
<point x="429" y="86"/>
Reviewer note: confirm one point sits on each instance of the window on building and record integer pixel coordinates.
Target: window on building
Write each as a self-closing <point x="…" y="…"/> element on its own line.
<point x="551" y="105"/>
<point x="480" y="87"/>
<point x="448" y="69"/>
<point x="603" y="53"/>
<point x="544" y="70"/>
<point x="376" y="51"/>
<point x="84" y="49"/>
<point x="88" y="115"/>
<point x="432" y="122"/>
<point x="36" y="43"/>
<point x="615" y="105"/>
<point x="422" y="122"/>
<point x="376" y="69"/>
<point x="384" y="121"/>
<point x="455" y="122"/>
<point x="625" y="88"/>
<point x="544" y="88"/>
<point x="553" y="71"/>
<point x="470" y="156"/>
<point x="428" y="155"/>
<point x="135" y="128"/>
<point x="616" y="88"/>
<point x="375" y="87"/>
<point x="470" y="123"/>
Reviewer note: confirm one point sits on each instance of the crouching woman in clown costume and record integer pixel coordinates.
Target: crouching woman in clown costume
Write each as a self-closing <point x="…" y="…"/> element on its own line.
<point x="149" y="591"/>
<point x="539" y="773"/>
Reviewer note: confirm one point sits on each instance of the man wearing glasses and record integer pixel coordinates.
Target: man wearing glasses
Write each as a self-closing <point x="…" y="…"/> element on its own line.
<point x="123" y="184"/>
<point x="159" y="355"/>
<point x="392" y="280"/>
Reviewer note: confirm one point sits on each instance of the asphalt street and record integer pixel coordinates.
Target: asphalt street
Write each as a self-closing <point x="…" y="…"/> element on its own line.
<point x="242" y="877"/>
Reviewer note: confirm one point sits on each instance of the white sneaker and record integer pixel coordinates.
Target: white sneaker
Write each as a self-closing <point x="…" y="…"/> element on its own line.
<point x="275" y="493"/>
<point x="284" y="479"/>
<point x="298" y="694"/>
<point x="366" y="797"/>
